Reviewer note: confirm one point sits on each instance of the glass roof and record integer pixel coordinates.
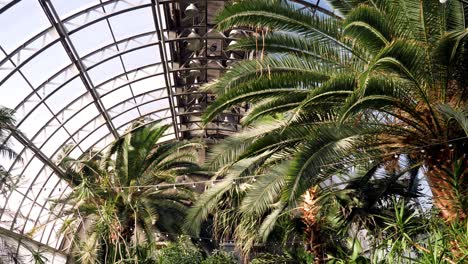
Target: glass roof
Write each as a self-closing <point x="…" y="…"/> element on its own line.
<point x="79" y="72"/>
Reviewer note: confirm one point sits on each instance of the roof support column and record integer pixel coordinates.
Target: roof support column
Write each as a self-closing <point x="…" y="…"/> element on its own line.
<point x="75" y="58"/>
<point x="156" y="10"/>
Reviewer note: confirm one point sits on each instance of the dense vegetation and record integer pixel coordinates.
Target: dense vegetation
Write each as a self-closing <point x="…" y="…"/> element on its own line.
<point x="353" y="150"/>
<point x="349" y="117"/>
<point x="115" y="201"/>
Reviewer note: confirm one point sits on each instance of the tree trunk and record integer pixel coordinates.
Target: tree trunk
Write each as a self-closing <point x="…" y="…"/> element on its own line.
<point x="448" y="183"/>
<point x="310" y="211"/>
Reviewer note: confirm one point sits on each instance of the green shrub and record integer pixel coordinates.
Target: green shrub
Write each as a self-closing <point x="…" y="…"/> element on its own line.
<point x="294" y="256"/>
<point x="267" y="258"/>
<point x="182" y="252"/>
<point x="220" y="257"/>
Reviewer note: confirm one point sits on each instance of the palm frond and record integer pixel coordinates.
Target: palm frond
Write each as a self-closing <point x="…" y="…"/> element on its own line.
<point x="369" y="27"/>
<point x="297" y="45"/>
<point x="345" y="6"/>
<point x="280" y="15"/>
<point x="315" y="159"/>
<point x="265" y="192"/>
<point x="231" y="148"/>
<point x="269" y="66"/>
<point x="209" y="200"/>
<point x="460" y="117"/>
<point x="271" y="106"/>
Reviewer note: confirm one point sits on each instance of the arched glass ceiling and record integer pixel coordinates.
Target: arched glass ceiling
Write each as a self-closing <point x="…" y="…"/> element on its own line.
<point x="78" y="72"/>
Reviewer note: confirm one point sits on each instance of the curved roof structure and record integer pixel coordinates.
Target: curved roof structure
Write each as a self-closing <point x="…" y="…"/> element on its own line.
<point x="78" y="73"/>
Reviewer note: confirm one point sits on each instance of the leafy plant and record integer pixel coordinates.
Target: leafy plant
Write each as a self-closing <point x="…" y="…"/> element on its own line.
<point x="7" y="125"/>
<point x="220" y="257"/>
<point x="380" y="90"/>
<point x="296" y="256"/>
<point x="116" y="205"/>
<point x="182" y="252"/>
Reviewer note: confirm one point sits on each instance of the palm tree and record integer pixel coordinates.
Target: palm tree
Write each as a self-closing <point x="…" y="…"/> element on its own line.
<point x="383" y="87"/>
<point x="117" y="207"/>
<point x="9" y="240"/>
<point x="7" y="122"/>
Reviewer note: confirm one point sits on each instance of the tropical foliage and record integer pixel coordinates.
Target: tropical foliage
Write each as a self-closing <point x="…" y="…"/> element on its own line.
<point x="9" y="240"/>
<point x="116" y="205"/>
<point x="185" y="252"/>
<point x="7" y="121"/>
<point x="357" y="109"/>
<point x="220" y="257"/>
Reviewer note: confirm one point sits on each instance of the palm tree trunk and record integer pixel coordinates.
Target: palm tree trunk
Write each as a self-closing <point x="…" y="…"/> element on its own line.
<point x="310" y="210"/>
<point x="449" y="188"/>
<point x="449" y="185"/>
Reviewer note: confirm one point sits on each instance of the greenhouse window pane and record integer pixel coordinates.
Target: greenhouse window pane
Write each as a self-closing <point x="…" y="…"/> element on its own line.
<point x="55" y="142"/>
<point x="132" y="23"/>
<point x="148" y="84"/>
<point x="154" y="106"/>
<point x="66" y="7"/>
<point x="24" y="20"/>
<point x="116" y="97"/>
<point x="103" y="143"/>
<point x="13" y="91"/>
<point x="126" y="117"/>
<point x="35" y="121"/>
<point x="43" y="67"/>
<point x="70" y="111"/>
<point x="94" y="137"/>
<point x="65" y="95"/>
<point x="6" y="68"/>
<point x="105" y="71"/>
<point x="85" y="115"/>
<point x="91" y="38"/>
<point x="141" y="57"/>
<point x="135" y="42"/>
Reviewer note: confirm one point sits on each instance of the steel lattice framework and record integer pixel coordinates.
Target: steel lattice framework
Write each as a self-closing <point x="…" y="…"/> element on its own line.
<point x="78" y="73"/>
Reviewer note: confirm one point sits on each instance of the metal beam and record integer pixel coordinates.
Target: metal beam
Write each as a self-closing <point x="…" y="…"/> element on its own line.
<point x="316" y="7"/>
<point x="73" y="55"/>
<point x="29" y="241"/>
<point x="39" y="154"/>
<point x="10" y="4"/>
<point x="156" y="11"/>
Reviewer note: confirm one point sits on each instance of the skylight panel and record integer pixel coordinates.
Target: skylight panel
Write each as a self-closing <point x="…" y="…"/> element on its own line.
<point x="116" y="97"/>
<point x="42" y="67"/>
<point x="13" y="91"/>
<point x="82" y="134"/>
<point x="153" y="106"/>
<point x="141" y="57"/>
<point x="81" y="118"/>
<point x="25" y="19"/>
<point x="138" y="41"/>
<point x="17" y="168"/>
<point x="132" y="23"/>
<point x="71" y="110"/>
<point x="125" y="118"/>
<point x="106" y="71"/>
<point x="65" y="8"/>
<point x="54" y="142"/>
<point x="6" y="68"/>
<point x="91" y="38"/>
<point x="148" y="84"/>
<point x="35" y="121"/>
<point x="65" y="95"/>
<point x="94" y="137"/>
